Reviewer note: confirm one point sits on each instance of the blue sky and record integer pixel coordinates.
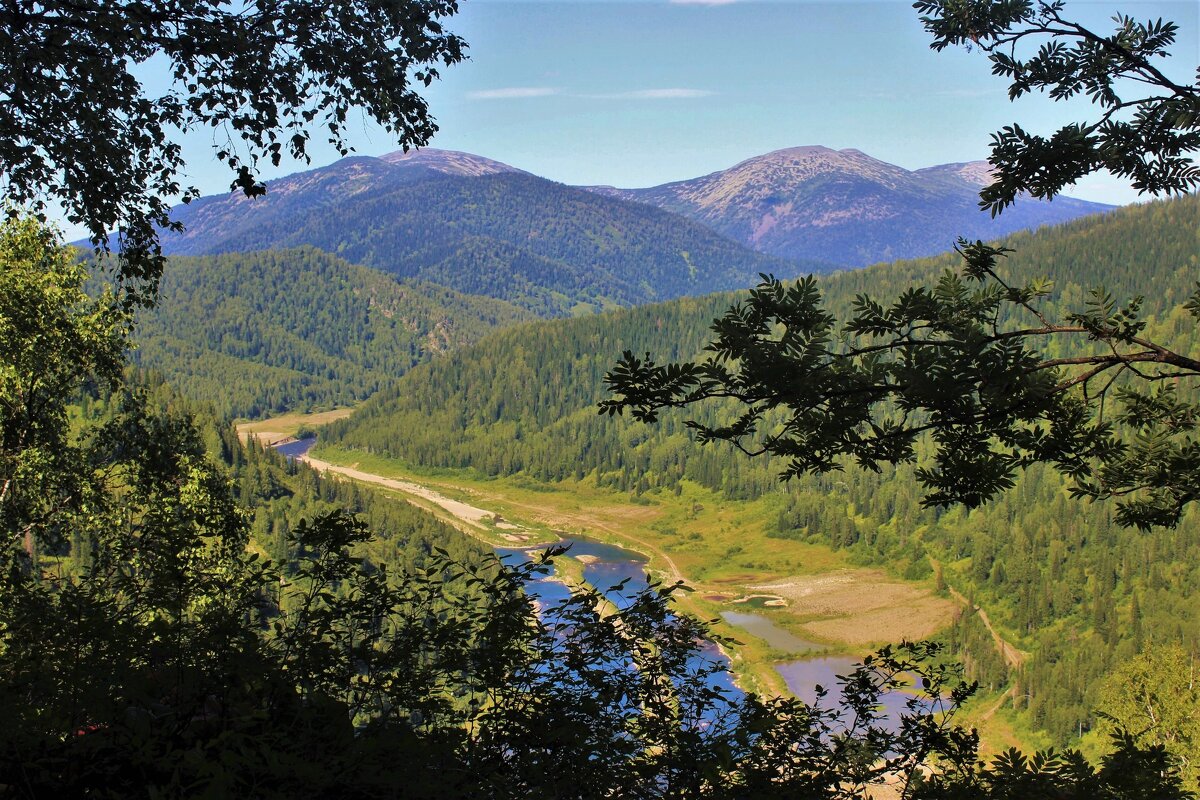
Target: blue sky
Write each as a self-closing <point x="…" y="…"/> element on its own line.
<point x="640" y="93"/>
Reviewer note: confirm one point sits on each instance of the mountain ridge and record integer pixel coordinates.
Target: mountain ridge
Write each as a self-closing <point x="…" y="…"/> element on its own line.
<point x="281" y="330"/>
<point x="846" y="207"/>
<point x="480" y="227"/>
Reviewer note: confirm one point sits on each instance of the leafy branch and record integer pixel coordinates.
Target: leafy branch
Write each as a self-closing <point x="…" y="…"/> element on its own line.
<point x="954" y="369"/>
<point x="1149" y="137"/>
<point x="79" y="129"/>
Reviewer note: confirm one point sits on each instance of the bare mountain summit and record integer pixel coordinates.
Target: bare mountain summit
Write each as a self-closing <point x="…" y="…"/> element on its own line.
<point x="975" y="173"/>
<point x="845" y="207"/>
<point x="220" y="216"/>
<point x="449" y="162"/>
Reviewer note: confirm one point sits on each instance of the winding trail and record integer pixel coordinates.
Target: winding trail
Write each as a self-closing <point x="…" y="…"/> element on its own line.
<point x="463" y="511"/>
<point x="1011" y="655"/>
<point x="1000" y="701"/>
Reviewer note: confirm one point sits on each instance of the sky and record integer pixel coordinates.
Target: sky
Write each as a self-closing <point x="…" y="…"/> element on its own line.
<point x="638" y="93"/>
<point x="634" y="93"/>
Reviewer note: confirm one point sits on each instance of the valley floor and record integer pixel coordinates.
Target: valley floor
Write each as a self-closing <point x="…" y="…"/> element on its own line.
<point x="719" y="548"/>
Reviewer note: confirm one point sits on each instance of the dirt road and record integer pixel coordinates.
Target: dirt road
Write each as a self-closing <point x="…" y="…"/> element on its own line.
<point x="461" y="511"/>
<point x="474" y="516"/>
<point x="1012" y="656"/>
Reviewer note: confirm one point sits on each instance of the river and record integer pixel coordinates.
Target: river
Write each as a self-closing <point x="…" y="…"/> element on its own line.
<point x="607" y="565"/>
<point x="619" y="573"/>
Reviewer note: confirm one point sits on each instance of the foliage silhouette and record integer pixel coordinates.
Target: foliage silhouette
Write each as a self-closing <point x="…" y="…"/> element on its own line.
<point x="80" y="128"/>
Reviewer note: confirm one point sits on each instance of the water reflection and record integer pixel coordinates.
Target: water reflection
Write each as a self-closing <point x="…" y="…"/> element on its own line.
<point x="803" y="676"/>
<point x="295" y="449"/>
<point x="769" y="632"/>
<point x="606" y="567"/>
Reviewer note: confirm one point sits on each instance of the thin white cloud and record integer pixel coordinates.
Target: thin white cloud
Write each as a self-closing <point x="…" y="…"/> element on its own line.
<point x="520" y="92"/>
<point x="652" y="94"/>
<point x="512" y="93"/>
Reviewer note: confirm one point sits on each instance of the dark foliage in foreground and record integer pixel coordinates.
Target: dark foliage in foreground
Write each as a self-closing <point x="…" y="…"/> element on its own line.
<point x="209" y="674"/>
<point x="80" y="128"/>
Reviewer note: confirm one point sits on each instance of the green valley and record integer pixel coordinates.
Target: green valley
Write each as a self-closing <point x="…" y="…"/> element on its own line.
<point x="1059" y="579"/>
<point x="722" y="549"/>
<point x="336" y="464"/>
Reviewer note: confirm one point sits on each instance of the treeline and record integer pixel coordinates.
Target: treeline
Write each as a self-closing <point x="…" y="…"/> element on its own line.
<point x="1069" y="585"/>
<point x="284" y="330"/>
<point x="281" y="494"/>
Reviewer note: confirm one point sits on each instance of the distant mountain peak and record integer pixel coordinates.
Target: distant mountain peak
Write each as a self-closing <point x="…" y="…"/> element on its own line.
<point x="793" y="164"/>
<point x="355" y="174"/>
<point x="976" y="173"/>
<point x="449" y="162"/>
<point x="846" y="207"/>
<point x="810" y="153"/>
<point x="797" y="151"/>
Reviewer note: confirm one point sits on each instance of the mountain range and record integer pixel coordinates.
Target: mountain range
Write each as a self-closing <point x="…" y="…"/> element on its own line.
<point x="481" y="227"/>
<point x="344" y="277"/>
<point x="847" y="208"/>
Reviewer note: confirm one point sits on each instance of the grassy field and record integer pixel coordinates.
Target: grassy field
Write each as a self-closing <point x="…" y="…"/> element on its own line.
<point x="276" y="429"/>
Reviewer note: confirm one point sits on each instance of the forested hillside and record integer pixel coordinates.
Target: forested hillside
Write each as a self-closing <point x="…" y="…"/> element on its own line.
<point x="546" y="247"/>
<point x="281" y="494"/>
<point x="284" y="330"/>
<point x="1062" y="579"/>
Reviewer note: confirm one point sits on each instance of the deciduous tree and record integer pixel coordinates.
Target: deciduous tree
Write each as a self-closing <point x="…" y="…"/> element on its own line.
<point x="1156" y="697"/>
